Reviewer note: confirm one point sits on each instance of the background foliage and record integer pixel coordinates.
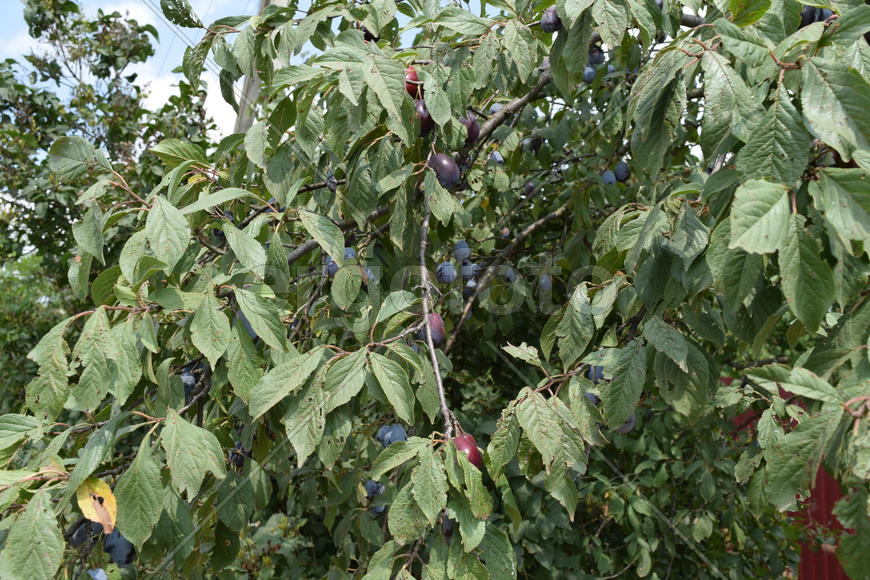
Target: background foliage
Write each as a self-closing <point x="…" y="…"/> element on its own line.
<point x="220" y="400"/>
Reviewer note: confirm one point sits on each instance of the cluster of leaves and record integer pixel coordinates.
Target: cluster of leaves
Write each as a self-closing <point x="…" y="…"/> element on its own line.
<point x="739" y="246"/>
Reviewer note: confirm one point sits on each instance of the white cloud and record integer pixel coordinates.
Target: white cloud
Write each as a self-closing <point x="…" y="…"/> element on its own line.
<point x="18" y="45"/>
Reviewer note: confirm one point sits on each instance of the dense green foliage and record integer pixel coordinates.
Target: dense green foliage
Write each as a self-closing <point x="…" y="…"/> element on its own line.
<point x="235" y="387"/>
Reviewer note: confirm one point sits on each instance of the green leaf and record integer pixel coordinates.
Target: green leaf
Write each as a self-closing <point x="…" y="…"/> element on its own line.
<point x="406" y="520"/>
<point x="628" y="376"/>
<point x="397" y="454"/>
<point x="34" y="546"/>
<point x="346" y="286"/>
<point x="746" y="12"/>
<point x="386" y="79"/>
<point x="395" y="302"/>
<point x="175" y="151"/>
<point x="807" y="280"/>
<point x="727" y="96"/>
<point x="394" y="381"/>
<point x="667" y="340"/>
<point x="179" y="12"/>
<point x="835" y="100"/>
<point x="843" y="197"/>
<point x="503" y="443"/>
<point x="191" y="452"/>
<point x="380" y="565"/>
<point x="72" y="157"/>
<point x="88" y="233"/>
<point x="250" y="253"/>
<point x="612" y="19"/>
<point x="429" y="485"/>
<point x="540" y="424"/>
<point x="212" y="199"/>
<point x="124" y="364"/>
<point x="498" y="553"/>
<point x="326" y="233"/>
<point x="15" y="427"/>
<point x="210" y="329"/>
<point x="344" y="379"/>
<point x="778" y="149"/>
<point x="576" y="328"/>
<point x="799" y="381"/>
<point x="265" y="318"/>
<point x="139" y="493"/>
<point x="305" y="420"/>
<point x="283" y="380"/>
<point x="167" y="231"/>
<point x="759" y="217"/>
<point x="93" y="349"/>
<point x="793" y="461"/>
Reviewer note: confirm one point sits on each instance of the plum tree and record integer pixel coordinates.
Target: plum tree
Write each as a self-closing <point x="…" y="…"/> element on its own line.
<point x="550" y="21"/>
<point x="445" y="168"/>
<point x="445" y="272"/>
<point x="466" y="444"/>
<point x="709" y="258"/>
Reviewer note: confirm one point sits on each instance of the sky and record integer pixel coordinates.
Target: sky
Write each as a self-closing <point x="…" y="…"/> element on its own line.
<point x="156" y="73"/>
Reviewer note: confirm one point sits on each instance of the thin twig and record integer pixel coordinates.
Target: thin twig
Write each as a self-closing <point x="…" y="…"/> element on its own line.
<point x="427" y="306"/>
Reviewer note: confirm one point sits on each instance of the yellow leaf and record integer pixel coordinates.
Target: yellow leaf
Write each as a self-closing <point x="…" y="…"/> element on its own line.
<point x="97" y="503"/>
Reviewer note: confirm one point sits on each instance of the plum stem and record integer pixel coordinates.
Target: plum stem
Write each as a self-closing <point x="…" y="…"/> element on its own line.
<point x="427" y="307"/>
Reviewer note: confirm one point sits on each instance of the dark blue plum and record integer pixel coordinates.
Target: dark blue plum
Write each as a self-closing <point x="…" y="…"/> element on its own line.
<point x="468" y="290"/>
<point x="593" y="398"/>
<point x="98" y="574"/>
<point x="545" y="283"/>
<point x="445" y="273"/>
<point x="588" y="75"/>
<point x="608" y="177"/>
<point x="461" y="250"/>
<point x="550" y="21"/>
<point x="510" y="275"/>
<point x="621" y="171"/>
<point x="468" y="270"/>
<point x="595" y="374"/>
<point x="373" y="488"/>
<point x="596" y="56"/>
<point x="119" y="549"/>
<point x="389" y="434"/>
<point x="86" y="531"/>
<point x="496" y="158"/>
<point x="331" y="266"/>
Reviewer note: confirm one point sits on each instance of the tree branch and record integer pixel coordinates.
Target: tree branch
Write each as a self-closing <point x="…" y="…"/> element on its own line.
<point x="427" y="307"/>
